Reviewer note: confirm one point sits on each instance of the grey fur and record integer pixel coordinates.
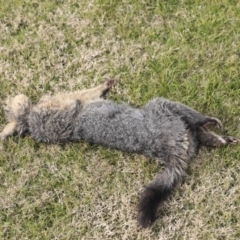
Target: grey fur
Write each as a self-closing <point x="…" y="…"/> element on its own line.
<point x="166" y="130"/>
<point x="52" y="125"/>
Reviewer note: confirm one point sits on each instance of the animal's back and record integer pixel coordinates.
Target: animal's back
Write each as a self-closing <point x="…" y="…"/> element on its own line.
<point x="123" y="127"/>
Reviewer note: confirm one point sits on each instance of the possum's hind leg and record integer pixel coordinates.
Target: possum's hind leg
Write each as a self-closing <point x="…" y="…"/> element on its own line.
<point x="211" y="139"/>
<point x="211" y="121"/>
<point x="190" y="116"/>
<point x="160" y="106"/>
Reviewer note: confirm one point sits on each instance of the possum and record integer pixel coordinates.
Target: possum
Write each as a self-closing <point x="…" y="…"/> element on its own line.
<point x="166" y="130"/>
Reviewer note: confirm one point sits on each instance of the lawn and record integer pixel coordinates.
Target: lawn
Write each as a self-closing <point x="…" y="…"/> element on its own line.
<point x="186" y="51"/>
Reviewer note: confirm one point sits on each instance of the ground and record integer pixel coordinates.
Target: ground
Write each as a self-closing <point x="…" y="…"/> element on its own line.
<point x="185" y="50"/>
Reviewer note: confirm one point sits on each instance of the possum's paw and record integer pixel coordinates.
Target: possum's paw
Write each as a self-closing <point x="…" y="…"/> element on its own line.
<point x="230" y="140"/>
<point x="109" y="83"/>
<point x="219" y="141"/>
<point x="2" y="136"/>
<point x="211" y="121"/>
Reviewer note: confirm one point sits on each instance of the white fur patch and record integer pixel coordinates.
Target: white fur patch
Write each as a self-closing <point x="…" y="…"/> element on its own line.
<point x="186" y="142"/>
<point x="222" y="140"/>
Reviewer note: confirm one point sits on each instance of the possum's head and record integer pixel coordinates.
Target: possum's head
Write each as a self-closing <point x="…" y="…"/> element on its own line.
<point x="17" y="107"/>
<point x="17" y="110"/>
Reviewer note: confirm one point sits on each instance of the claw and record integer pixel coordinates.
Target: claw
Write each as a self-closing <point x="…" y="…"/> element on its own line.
<point x="230" y="140"/>
<point x="211" y="121"/>
<point x="110" y="82"/>
<point x="107" y="85"/>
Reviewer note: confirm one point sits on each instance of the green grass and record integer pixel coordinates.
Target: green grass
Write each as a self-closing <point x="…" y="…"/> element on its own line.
<point x="186" y="51"/>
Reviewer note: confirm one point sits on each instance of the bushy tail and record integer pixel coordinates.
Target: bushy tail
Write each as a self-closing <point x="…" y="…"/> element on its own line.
<point x="17" y="110"/>
<point x="156" y="192"/>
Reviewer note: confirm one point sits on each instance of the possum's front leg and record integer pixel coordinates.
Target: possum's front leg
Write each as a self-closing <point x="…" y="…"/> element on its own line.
<point x="63" y="101"/>
<point x="95" y="93"/>
<point x="8" y="130"/>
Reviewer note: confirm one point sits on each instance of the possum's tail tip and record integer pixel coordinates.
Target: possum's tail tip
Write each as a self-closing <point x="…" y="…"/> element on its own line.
<point x="147" y="207"/>
<point x="157" y="192"/>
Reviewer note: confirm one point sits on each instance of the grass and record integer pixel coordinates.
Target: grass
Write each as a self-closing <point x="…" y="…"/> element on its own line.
<point x="185" y="50"/>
